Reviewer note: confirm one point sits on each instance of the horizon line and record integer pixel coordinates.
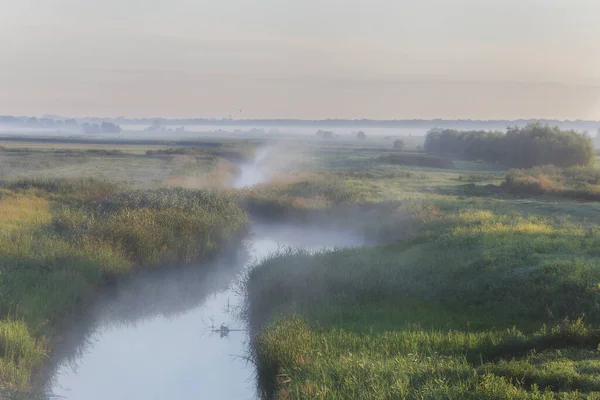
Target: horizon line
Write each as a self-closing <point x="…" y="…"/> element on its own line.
<point x="289" y="119"/>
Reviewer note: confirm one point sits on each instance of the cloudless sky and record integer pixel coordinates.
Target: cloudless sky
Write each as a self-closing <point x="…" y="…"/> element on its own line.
<point x="301" y="59"/>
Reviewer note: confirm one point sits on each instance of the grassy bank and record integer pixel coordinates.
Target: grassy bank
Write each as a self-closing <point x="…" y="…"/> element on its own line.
<point x="473" y="305"/>
<point x="61" y="240"/>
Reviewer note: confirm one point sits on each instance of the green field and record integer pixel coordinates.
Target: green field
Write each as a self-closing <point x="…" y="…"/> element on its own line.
<point x="135" y="165"/>
<point x="478" y="282"/>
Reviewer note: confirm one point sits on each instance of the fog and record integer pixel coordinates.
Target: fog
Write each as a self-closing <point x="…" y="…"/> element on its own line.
<point x="254" y="173"/>
<point x="157" y="334"/>
<point x="274" y="131"/>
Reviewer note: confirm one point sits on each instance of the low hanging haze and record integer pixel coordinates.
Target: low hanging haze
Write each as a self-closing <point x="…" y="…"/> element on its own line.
<point x="309" y="59"/>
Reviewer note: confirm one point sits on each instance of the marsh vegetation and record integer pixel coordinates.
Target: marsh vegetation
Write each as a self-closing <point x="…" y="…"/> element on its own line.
<point x="470" y="281"/>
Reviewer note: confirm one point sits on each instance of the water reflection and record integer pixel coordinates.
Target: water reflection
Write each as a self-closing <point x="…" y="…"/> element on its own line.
<point x="170" y="333"/>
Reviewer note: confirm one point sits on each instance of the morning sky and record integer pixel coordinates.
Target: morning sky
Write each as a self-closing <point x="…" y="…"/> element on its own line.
<point x="380" y="59"/>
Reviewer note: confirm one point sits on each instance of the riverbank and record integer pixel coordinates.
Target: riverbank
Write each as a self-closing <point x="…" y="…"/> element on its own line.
<point x="471" y="305"/>
<point x="172" y="317"/>
<point x="62" y="240"/>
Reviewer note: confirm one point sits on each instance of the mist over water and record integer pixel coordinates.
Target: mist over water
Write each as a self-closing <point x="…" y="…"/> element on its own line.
<point x="156" y="336"/>
<point x="252" y="173"/>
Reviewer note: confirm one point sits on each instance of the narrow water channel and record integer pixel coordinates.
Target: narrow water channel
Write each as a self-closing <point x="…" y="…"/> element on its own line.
<point x="157" y="336"/>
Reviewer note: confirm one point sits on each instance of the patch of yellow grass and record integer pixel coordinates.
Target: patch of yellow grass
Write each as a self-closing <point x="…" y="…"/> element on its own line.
<point x="23" y="210"/>
<point x="476" y="216"/>
<point x="526" y="227"/>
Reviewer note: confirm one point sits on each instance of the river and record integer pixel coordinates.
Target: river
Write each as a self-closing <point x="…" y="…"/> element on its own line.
<point x="156" y="335"/>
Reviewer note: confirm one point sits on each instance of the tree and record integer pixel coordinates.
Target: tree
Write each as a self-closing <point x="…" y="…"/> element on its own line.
<point x="399" y="144"/>
<point x="534" y="144"/>
<point x="91" y="128"/>
<point x="109" y="127"/>
<point x="325" y="134"/>
<point x="360" y="135"/>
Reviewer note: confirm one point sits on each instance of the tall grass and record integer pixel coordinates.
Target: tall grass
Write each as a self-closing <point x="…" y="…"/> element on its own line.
<point x="20" y="352"/>
<point x="415" y="363"/>
<point x="60" y="241"/>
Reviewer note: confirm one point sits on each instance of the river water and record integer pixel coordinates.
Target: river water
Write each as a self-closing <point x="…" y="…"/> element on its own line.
<point x="156" y="336"/>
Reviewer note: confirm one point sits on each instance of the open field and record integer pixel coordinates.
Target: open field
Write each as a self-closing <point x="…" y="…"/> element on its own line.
<point x="138" y="164"/>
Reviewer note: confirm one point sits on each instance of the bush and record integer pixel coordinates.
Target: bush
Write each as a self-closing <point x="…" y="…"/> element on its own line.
<point x="526" y="147"/>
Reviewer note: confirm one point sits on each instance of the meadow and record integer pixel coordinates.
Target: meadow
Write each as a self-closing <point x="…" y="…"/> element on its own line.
<point x="475" y="287"/>
<point x="471" y="285"/>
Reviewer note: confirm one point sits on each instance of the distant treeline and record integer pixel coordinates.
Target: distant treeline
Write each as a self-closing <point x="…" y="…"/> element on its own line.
<point x="534" y="144"/>
<point x="111" y="141"/>
<point x="105" y="127"/>
<point x="49" y="121"/>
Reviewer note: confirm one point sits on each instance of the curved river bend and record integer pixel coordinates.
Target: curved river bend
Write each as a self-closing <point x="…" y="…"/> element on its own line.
<point x="150" y="337"/>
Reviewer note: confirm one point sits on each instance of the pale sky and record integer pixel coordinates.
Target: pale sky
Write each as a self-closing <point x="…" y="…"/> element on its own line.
<point x="380" y="59"/>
